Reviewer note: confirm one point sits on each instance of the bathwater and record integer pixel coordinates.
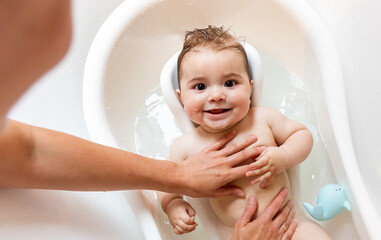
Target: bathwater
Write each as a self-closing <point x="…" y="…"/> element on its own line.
<point x="156" y="129"/>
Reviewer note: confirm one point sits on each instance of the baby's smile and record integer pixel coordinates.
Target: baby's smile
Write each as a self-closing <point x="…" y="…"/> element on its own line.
<point x="218" y="111"/>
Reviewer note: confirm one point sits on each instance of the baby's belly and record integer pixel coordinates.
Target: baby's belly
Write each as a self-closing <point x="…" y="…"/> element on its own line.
<point x="229" y="209"/>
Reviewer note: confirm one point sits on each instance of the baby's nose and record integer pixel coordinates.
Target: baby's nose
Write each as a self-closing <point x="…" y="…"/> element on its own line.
<point x="216" y="95"/>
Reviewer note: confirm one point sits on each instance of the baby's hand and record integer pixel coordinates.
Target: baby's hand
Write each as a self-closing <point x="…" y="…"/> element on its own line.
<point x="268" y="165"/>
<point x="181" y="215"/>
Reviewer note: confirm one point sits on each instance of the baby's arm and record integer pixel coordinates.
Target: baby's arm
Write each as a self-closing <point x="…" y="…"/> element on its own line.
<point x="180" y="213"/>
<point x="294" y="142"/>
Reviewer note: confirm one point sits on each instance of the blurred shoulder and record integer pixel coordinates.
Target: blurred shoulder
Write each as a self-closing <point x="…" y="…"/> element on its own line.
<point x="266" y="112"/>
<point x="183" y="146"/>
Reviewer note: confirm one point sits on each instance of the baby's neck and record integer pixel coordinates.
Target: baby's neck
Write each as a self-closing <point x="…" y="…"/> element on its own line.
<point x="240" y="126"/>
<point x="215" y="132"/>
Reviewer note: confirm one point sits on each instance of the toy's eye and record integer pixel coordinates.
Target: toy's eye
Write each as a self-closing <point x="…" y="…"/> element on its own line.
<point x="200" y="86"/>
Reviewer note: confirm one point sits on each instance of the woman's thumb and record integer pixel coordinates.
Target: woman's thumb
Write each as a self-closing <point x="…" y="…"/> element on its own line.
<point x="251" y="207"/>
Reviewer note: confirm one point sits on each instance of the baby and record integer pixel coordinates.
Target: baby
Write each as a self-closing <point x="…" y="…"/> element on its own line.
<point x="215" y="91"/>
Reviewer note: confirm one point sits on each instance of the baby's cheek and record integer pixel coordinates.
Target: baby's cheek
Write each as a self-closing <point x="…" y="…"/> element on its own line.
<point x="193" y="114"/>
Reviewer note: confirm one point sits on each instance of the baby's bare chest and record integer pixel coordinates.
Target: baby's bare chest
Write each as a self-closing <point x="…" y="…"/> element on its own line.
<point x="261" y="131"/>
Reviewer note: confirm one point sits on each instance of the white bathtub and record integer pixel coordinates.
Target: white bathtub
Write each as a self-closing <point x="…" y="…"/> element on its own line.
<point x="124" y="64"/>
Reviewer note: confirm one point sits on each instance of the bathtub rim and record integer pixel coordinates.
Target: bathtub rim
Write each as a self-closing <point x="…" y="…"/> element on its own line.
<point x="111" y="31"/>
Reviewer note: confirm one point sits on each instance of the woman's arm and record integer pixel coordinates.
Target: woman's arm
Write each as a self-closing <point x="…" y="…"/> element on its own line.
<point x="33" y="157"/>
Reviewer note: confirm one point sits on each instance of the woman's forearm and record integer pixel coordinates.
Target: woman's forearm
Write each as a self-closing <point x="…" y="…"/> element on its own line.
<point x="33" y="157"/>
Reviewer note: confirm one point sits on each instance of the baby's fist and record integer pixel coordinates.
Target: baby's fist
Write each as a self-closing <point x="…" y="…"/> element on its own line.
<point x="182" y="216"/>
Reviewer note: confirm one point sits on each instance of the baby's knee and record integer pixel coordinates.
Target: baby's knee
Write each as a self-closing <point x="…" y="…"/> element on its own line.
<point x="309" y="230"/>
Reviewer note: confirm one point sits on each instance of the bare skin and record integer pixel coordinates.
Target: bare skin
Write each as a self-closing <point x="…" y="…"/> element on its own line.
<point x="215" y="92"/>
<point x="33" y="157"/>
<point x="282" y="228"/>
<point x="35" y="35"/>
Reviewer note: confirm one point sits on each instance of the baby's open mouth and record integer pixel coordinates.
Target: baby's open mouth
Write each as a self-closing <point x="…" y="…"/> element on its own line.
<point x="218" y="111"/>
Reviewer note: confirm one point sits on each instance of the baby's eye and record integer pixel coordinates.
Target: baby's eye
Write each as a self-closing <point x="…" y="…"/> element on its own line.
<point x="229" y="83"/>
<point x="200" y="86"/>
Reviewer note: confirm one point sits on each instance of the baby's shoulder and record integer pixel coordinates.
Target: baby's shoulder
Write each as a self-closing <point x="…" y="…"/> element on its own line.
<point x="185" y="143"/>
<point x="265" y="112"/>
<point x="185" y="146"/>
<point x="179" y="141"/>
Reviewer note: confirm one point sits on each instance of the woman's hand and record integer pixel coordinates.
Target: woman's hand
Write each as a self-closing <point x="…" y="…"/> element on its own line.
<point x="270" y="225"/>
<point x="205" y="173"/>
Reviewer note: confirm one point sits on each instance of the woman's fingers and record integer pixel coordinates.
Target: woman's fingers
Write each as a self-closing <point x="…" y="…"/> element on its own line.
<point x="222" y="142"/>
<point x="245" y="154"/>
<point x="216" y="165"/>
<point x="284" y="217"/>
<point x="229" y="191"/>
<point x="238" y="146"/>
<point x="251" y="207"/>
<point x="275" y="206"/>
<point x="290" y="231"/>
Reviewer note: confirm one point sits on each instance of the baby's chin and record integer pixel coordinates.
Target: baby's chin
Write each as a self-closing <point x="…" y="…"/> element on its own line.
<point x="218" y="129"/>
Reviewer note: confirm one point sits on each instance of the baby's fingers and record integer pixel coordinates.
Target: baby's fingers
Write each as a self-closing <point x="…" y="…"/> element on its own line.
<point x="177" y="229"/>
<point x="266" y="183"/>
<point x="258" y="167"/>
<point x="188" y="220"/>
<point x="187" y="227"/>
<point x="191" y="212"/>
<point x="262" y="178"/>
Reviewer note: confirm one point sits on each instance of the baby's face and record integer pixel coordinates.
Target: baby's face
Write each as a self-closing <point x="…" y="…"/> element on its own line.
<point x="215" y="88"/>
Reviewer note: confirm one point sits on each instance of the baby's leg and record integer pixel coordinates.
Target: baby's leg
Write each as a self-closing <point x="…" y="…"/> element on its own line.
<point x="307" y="229"/>
<point x="224" y="232"/>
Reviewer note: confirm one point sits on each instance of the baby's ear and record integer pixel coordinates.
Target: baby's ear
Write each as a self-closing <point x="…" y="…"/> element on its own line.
<point x="178" y="94"/>
<point x="251" y="95"/>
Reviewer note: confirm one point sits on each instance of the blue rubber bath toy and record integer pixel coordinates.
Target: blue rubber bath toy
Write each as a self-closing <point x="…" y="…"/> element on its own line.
<point x="330" y="200"/>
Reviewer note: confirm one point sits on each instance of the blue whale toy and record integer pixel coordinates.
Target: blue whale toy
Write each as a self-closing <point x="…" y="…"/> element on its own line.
<point x="330" y="200"/>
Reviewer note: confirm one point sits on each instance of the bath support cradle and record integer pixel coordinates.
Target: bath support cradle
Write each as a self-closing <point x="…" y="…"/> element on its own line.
<point x="294" y="44"/>
<point x="330" y="200"/>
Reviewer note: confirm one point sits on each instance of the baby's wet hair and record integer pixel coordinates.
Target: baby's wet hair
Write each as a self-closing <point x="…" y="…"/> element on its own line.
<point x="214" y="37"/>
